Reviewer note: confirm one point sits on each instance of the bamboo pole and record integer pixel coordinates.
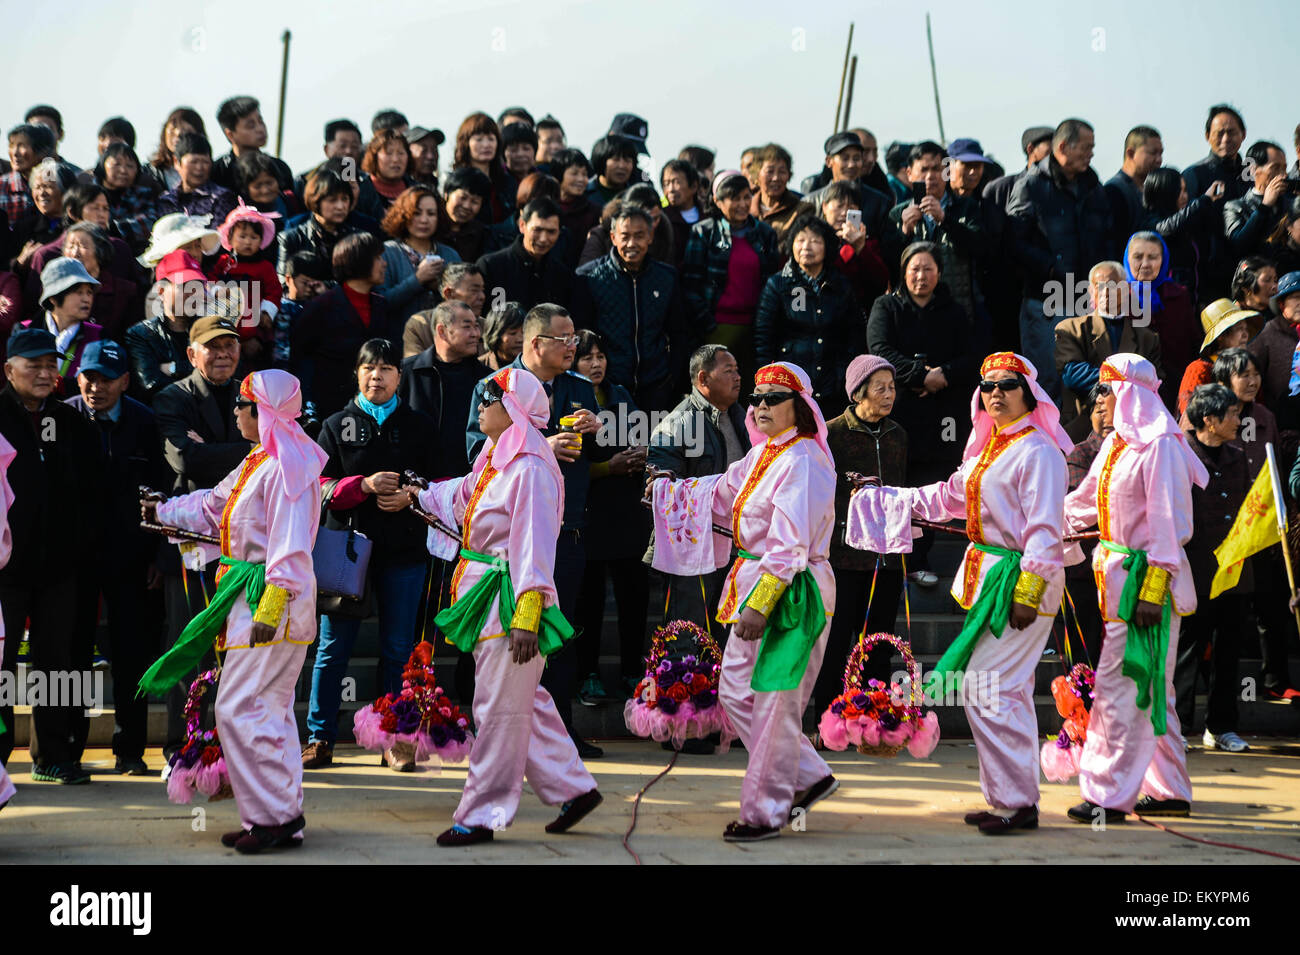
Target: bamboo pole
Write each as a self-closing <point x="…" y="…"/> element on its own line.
<point x="848" y="99"/>
<point x="839" y="100"/>
<point x="1279" y="503"/>
<point x="284" y="88"/>
<point x="934" y="80"/>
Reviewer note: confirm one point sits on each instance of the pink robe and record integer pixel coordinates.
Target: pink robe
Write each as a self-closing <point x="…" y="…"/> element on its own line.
<point x="1141" y="499"/>
<point x="513" y="514"/>
<point x="256" y="522"/>
<point x="779" y="500"/>
<point x="1012" y="496"/>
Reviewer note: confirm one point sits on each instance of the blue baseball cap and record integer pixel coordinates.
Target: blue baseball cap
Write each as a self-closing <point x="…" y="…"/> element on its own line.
<point x="967" y="150"/>
<point x="31" y="343"/>
<point x="106" y="357"/>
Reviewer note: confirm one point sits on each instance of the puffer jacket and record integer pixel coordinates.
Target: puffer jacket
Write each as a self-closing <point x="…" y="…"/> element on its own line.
<point x="961" y="240"/>
<point x="1055" y="230"/>
<point x="705" y="262"/>
<point x="814" y="323"/>
<point x="1247" y="222"/>
<point x="640" y="315"/>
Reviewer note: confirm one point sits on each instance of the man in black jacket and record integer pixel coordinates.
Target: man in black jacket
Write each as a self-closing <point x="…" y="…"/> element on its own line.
<point x="527" y="271"/>
<point x="634" y="303"/>
<point x="1060" y="227"/>
<point x="128" y="580"/>
<point x="1248" y="221"/>
<point x="1143" y="154"/>
<point x="202" y="444"/>
<point x="1225" y="131"/>
<point x="439" y="382"/>
<point x="56" y="480"/>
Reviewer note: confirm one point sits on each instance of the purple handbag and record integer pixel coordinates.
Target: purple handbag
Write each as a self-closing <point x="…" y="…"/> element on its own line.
<point x="342" y="560"/>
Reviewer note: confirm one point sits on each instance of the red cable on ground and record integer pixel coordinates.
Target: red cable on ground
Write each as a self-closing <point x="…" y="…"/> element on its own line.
<point x="1221" y="845"/>
<point x="637" y="804"/>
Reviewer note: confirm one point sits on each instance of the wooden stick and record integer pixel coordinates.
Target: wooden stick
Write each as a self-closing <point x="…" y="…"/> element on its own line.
<point x="839" y="100"/>
<point x="179" y="533"/>
<point x="410" y="477"/>
<point x="848" y="96"/>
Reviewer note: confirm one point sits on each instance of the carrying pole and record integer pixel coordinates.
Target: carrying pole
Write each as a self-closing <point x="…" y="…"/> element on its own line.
<point x="934" y="80"/>
<point x="284" y="87"/>
<point x="839" y="100"/>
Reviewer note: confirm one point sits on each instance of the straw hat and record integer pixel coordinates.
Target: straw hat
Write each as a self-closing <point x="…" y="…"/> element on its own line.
<point x="1221" y="315"/>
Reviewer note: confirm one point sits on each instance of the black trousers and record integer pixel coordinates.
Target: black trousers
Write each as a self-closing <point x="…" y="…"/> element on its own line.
<point x="631" y="596"/>
<point x="56" y="645"/>
<point x="852" y="588"/>
<point x="184" y="599"/>
<point x="1216" y="625"/>
<point x="561" y="674"/>
<point x="1271" y="601"/>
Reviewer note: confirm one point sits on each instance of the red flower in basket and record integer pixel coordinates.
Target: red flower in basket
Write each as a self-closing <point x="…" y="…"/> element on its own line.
<point x="678" y="693"/>
<point x="423" y="652"/>
<point x="210" y="755"/>
<point x="851" y="712"/>
<point x="699" y="683"/>
<point x="879" y="699"/>
<point x="389" y="723"/>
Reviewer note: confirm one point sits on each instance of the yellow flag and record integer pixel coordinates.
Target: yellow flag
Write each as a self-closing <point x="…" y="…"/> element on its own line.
<point x="1255" y="528"/>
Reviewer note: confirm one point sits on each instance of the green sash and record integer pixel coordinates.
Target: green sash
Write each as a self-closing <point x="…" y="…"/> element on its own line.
<point x="1145" y="648"/>
<point x="991" y="609"/>
<point x="196" y="639"/>
<point x="462" y="623"/>
<point x="796" y="622"/>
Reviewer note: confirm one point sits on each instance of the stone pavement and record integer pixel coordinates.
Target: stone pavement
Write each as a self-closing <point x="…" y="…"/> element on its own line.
<point x="886" y="811"/>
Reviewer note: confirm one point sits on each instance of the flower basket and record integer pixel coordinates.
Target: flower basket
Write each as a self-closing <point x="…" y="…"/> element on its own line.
<point x="419" y="722"/>
<point x="1073" y="695"/>
<point x="198" y="766"/>
<point x="880" y="720"/>
<point x="677" y="699"/>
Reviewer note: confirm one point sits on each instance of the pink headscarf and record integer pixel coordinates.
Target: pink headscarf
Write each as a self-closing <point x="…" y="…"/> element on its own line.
<point x="279" y="402"/>
<point x="796" y="379"/>
<point x="1046" y="417"/>
<point x="529" y="409"/>
<point x="1140" y="414"/>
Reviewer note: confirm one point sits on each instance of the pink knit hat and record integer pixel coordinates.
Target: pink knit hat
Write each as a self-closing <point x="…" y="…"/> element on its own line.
<point x="862" y="368"/>
<point x="243" y="213"/>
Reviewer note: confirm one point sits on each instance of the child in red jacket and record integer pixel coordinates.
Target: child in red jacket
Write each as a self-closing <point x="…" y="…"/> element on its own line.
<point x="245" y="235"/>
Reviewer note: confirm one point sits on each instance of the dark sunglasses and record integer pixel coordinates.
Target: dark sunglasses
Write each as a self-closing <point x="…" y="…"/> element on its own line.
<point x="773" y="398"/>
<point x="489" y="399"/>
<point x="1103" y="391"/>
<point x="245" y="403"/>
<point x="1006" y="384"/>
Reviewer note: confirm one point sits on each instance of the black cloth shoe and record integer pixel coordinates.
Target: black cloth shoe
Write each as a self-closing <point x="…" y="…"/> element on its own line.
<point x="571" y="812"/>
<point x="587" y="750"/>
<point x="1150" y="806"/>
<point x="454" y="837"/>
<point x="1086" y="812"/>
<point x="270" y="837"/>
<point x="976" y="817"/>
<point x="743" y="832"/>
<point x="1024" y="818"/>
<point x="813" y="794"/>
<point x="132" y="767"/>
<point x="229" y="839"/>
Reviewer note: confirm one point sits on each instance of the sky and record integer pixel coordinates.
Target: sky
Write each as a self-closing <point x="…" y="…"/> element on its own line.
<point x="720" y="74"/>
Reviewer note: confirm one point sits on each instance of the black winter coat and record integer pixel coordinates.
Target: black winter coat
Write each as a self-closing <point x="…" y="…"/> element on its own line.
<point x="813" y="323"/>
<point x="1058" y="228"/>
<point x="526" y="280"/>
<point x="324" y="343"/>
<point x="356" y="445"/>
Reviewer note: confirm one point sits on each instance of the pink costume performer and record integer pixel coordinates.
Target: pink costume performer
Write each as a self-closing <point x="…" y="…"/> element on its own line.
<point x="7" y="454"/>
<point x="509" y="507"/>
<point x="266" y="513"/>
<point x="779" y="501"/>
<point x="1139" y="495"/>
<point x="1010" y="489"/>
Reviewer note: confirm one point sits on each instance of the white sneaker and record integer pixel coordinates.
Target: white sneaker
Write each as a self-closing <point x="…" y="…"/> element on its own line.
<point x="923" y="578"/>
<point x="1228" y="742"/>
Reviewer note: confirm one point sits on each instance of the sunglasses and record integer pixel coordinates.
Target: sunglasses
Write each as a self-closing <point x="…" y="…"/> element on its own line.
<point x="489" y="399"/>
<point x="1006" y="384"/>
<point x="1103" y="391"/>
<point x="244" y="403"/>
<point x="773" y="398"/>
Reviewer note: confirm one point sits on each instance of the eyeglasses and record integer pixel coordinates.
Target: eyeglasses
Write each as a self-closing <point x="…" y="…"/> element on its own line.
<point x="568" y="341"/>
<point x="773" y="398"/>
<point x="1005" y="384"/>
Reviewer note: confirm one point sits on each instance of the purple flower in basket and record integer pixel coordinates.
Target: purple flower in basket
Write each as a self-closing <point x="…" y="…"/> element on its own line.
<point x="1063" y="741"/>
<point x="665" y="668"/>
<point x="689" y="661"/>
<point x="667" y="705"/>
<point x="438" y="733"/>
<point x="188" y="757"/>
<point x="888" y="721"/>
<point x="860" y="701"/>
<point x="457" y="733"/>
<point x="875" y="684"/>
<point x="838" y="707"/>
<point x="704" y="700"/>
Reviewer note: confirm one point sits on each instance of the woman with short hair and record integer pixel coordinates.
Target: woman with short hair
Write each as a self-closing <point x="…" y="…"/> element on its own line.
<point x="329" y="201"/>
<point x="385" y="163"/>
<point x="132" y="195"/>
<point x="503" y="335"/>
<point x="478" y="146"/>
<point x="415" y="259"/>
<point x="162" y="165"/>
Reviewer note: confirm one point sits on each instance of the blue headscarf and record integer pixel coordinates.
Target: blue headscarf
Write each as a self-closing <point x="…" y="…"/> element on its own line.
<point x="1165" y="273"/>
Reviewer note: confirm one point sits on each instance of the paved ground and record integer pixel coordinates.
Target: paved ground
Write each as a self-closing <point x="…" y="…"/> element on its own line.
<point x="886" y="811"/>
